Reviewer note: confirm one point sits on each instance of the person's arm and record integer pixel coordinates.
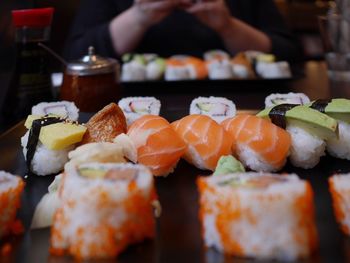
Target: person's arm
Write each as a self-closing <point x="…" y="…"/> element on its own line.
<point x="267" y="33"/>
<point x="136" y="21"/>
<point x="236" y="34"/>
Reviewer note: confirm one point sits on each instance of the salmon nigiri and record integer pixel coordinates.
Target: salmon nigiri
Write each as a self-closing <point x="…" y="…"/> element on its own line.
<point x="158" y="145"/>
<point x="206" y="140"/>
<point x="258" y="143"/>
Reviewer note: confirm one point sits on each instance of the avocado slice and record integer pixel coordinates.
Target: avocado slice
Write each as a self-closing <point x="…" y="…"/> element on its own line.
<point x="92" y="173"/>
<point x="338" y="109"/>
<point x="310" y="120"/>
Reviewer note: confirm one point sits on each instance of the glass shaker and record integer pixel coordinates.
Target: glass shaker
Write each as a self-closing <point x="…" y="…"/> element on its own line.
<point x="30" y="83"/>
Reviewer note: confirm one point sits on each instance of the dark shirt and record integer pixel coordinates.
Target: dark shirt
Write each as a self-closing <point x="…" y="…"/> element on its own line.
<point x="179" y="33"/>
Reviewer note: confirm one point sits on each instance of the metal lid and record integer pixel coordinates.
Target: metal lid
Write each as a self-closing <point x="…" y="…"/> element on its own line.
<point x="91" y="64"/>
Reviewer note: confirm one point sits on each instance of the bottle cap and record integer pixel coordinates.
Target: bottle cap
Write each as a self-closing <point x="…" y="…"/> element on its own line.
<point x="91" y="64"/>
<point x="40" y="17"/>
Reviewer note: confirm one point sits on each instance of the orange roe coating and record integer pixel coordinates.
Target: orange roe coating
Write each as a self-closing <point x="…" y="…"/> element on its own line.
<point x="9" y="203"/>
<point x="338" y="205"/>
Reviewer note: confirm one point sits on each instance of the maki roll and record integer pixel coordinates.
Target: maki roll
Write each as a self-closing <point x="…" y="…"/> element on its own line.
<point x="309" y="130"/>
<point x="217" y="108"/>
<point x="216" y="55"/>
<point x="258" y="143"/>
<point x="274" y="70"/>
<point x="218" y="64"/>
<point x="135" y="107"/>
<point x="206" y="140"/>
<point x="47" y="143"/>
<point x="339" y="187"/>
<point x="112" y="209"/>
<point x="264" y="216"/>
<point x="182" y="67"/>
<point x="141" y="67"/>
<point x="220" y="69"/>
<point x="242" y="67"/>
<point x="11" y="187"/>
<point x="64" y="109"/>
<point x="289" y="98"/>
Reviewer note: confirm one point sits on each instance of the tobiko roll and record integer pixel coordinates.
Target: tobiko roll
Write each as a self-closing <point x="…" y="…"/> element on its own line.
<point x="112" y="209"/>
<point x="258" y="215"/>
<point x="11" y="187"/>
<point x="339" y="186"/>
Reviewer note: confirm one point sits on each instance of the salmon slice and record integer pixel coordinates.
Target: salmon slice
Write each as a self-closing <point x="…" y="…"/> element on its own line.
<point x="269" y="142"/>
<point x="206" y="140"/>
<point x="158" y="145"/>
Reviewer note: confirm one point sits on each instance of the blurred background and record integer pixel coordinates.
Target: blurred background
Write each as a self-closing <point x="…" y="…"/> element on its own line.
<point x="301" y="16"/>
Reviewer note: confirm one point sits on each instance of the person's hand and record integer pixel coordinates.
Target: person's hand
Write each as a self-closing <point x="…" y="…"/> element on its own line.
<point x="213" y="13"/>
<point x="150" y="12"/>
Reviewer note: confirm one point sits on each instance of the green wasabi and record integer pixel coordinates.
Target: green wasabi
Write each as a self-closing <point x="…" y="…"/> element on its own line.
<point x="227" y="165"/>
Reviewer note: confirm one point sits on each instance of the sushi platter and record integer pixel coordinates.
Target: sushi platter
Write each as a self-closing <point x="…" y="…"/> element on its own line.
<point x="180" y="231"/>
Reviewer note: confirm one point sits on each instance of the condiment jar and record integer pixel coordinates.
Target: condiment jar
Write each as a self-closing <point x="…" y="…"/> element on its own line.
<point x="30" y="82"/>
<point x="91" y="82"/>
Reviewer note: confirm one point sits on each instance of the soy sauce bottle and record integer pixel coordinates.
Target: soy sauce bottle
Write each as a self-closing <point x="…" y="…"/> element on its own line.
<point x="30" y="83"/>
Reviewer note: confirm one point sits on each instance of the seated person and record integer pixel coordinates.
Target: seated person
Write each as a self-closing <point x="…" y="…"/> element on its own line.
<point x="169" y="27"/>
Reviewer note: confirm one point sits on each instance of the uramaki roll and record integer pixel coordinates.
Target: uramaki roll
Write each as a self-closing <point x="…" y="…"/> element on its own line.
<point x="11" y="188"/>
<point x="339" y="186"/>
<point x="258" y="215"/>
<point x="105" y="207"/>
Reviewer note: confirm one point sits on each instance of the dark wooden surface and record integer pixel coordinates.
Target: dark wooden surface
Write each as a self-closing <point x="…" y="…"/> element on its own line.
<point x="178" y="231"/>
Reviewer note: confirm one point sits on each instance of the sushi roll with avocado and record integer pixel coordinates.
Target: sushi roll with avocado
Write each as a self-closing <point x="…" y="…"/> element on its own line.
<point x="64" y="109"/>
<point x="258" y="215"/>
<point x="217" y="108"/>
<point x="309" y="130"/>
<point x="48" y="141"/>
<point x="135" y="107"/>
<point x="113" y="209"/>
<point x="338" y="109"/>
<point x="220" y="69"/>
<point x="275" y="70"/>
<point x="216" y="55"/>
<point x="289" y="98"/>
<point x="141" y="67"/>
<point x="133" y="68"/>
<point x="11" y="188"/>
